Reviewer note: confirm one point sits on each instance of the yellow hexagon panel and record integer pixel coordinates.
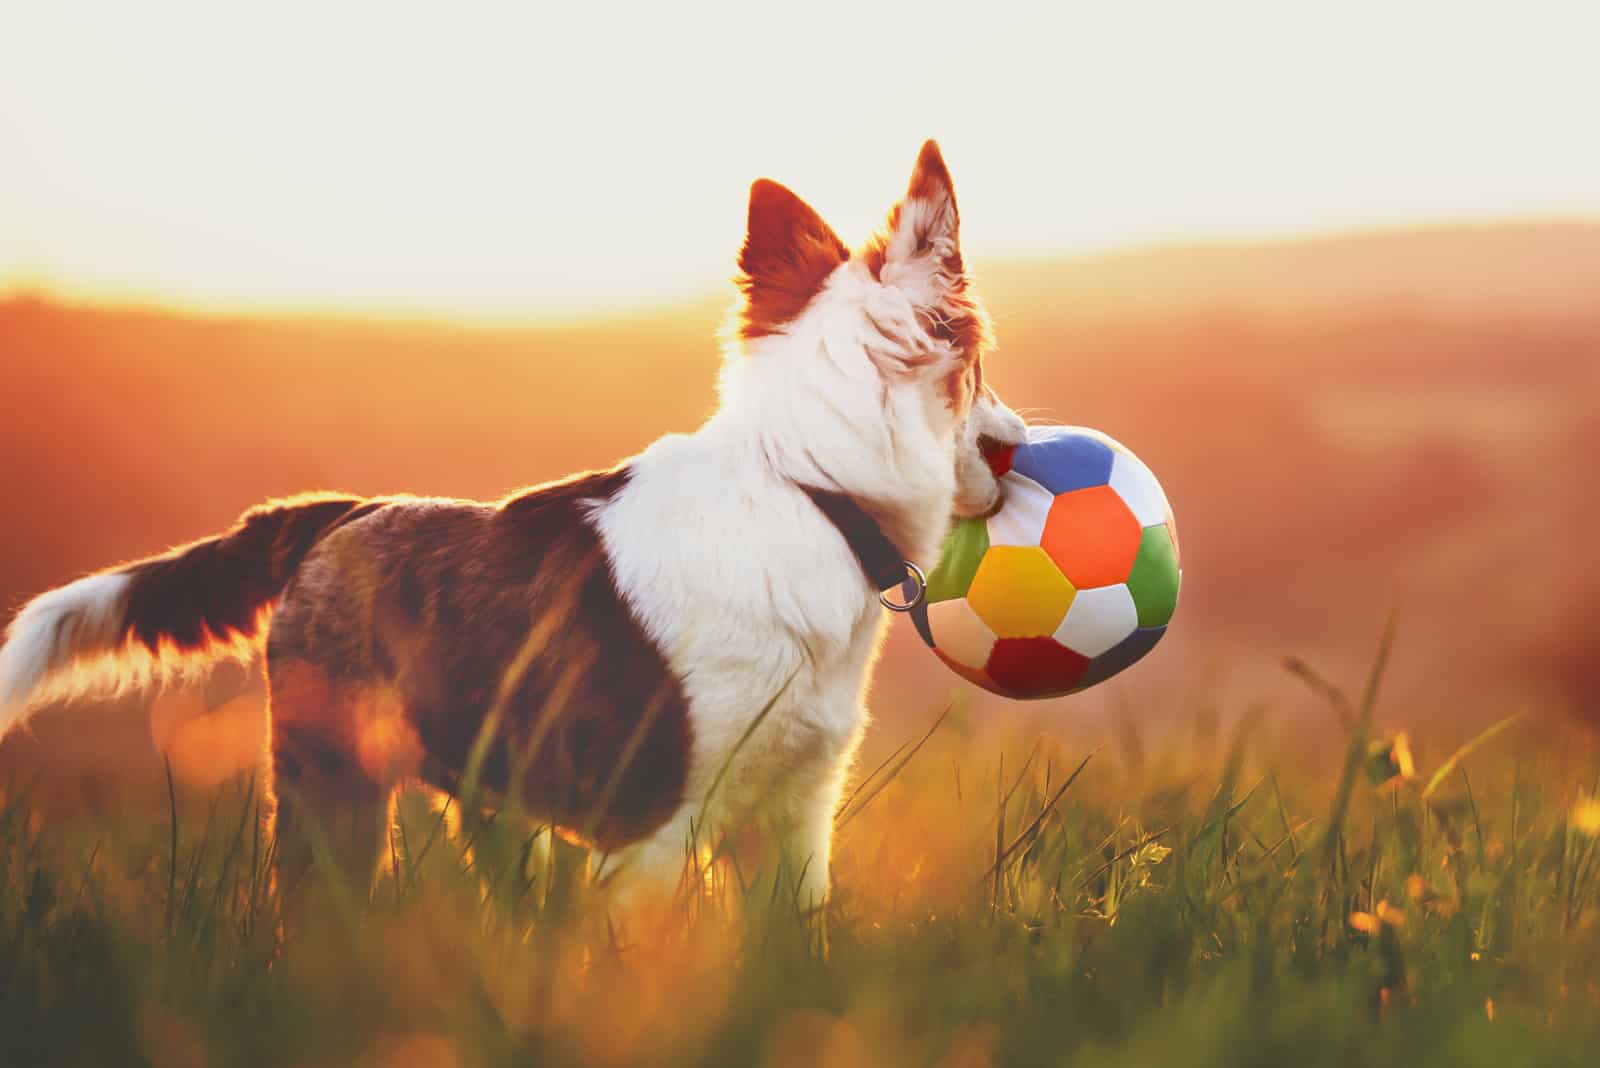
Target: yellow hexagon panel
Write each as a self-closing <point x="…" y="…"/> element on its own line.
<point x="1019" y="592"/>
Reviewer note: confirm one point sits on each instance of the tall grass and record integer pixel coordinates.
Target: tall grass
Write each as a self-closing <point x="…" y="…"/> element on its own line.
<point x="998" y="900"/>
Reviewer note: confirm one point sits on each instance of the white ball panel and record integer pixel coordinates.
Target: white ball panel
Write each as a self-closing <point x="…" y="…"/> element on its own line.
<point x="1098" y="619"/>
<point x="1136" y="485"/>
<point x="1020" y="520"/>
<point x="959" y="633"/>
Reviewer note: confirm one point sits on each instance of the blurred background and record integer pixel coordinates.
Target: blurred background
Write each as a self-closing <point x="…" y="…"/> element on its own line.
<point x="1333" y="272"/>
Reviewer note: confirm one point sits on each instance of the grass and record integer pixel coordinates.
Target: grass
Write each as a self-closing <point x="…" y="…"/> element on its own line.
<point x="998" y="901"/>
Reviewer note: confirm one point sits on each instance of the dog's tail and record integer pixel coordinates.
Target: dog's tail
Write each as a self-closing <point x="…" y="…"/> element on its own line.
<point x="133" y="625"/>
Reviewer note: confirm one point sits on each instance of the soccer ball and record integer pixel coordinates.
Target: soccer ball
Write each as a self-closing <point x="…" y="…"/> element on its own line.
<point x="1074" y="579"/>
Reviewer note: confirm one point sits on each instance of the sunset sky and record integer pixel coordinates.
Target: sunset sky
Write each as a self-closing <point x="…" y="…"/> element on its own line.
<point x="555" y="160"/>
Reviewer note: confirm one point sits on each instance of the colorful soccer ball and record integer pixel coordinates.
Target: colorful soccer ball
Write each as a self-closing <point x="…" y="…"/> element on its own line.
<point x="1074" y="579"/>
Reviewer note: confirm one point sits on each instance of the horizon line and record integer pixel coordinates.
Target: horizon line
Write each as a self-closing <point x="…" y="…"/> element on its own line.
<point x="30" y="287"/>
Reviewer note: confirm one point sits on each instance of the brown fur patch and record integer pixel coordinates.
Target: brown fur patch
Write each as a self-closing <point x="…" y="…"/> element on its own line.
<point x="437" y="622"/>
<point x="962" y="322"/>
<point x="215" y="589"/>
<point x="788" y="253"/>
<point x="876" y="248"/>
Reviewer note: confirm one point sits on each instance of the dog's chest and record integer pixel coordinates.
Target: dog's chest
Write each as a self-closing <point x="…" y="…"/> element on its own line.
<point x="771" y="741"/>
<point x="758" y="605"/>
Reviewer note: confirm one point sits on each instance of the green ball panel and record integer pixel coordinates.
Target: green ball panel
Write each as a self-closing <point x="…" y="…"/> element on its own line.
<point x="964" y="549"/>
<point x="1155" y="577"/>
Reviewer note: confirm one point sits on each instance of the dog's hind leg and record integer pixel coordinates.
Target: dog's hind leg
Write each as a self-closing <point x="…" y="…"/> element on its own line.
<point x="328" y="816"/>
<point x="330" y="786"/>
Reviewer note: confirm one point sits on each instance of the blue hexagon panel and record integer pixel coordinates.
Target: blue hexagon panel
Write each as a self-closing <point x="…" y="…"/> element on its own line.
<point x="1063" y="459"/>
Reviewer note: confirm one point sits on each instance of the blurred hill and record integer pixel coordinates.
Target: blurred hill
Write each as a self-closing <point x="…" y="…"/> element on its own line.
<point x="1518" y="268"/>
<point x="1344" y="424"/>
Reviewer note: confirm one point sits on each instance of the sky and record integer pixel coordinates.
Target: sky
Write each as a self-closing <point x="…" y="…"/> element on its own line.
<point x="540" y="160"/>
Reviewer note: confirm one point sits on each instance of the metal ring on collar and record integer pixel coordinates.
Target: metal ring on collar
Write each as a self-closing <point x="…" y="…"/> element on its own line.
<point x="913" y="574"/>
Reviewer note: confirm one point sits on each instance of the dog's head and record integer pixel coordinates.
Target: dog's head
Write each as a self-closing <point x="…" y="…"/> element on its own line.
<point x="890" y="339"/>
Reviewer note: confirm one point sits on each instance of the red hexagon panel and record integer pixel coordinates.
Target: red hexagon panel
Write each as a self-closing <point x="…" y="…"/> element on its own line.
<point x="1035" y="667"/>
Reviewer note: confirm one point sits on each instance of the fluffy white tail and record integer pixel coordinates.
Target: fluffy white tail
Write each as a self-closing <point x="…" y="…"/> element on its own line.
<point x="134" y="625"/>
<point x="79" y="622"/>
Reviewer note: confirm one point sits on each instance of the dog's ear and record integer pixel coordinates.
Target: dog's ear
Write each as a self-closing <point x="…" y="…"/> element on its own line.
<point x="918" y="252"/>
<point x="788" y="253"/>
<point x="936" y="219"/>
<point x="919" y="249"/>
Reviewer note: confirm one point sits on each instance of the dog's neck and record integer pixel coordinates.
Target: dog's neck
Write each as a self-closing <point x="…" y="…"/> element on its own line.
<point x="881" y="560"/>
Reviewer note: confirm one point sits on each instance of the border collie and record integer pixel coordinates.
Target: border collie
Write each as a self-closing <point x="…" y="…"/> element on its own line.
<point x="641" y="655"/>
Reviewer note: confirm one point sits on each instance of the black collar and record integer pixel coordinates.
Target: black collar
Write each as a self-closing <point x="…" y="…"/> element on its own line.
<point x="884" y="565"/>
<point x="885" y="568"/>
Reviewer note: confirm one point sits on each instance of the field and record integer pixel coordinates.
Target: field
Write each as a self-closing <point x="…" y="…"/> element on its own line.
<point x="999" y="902"/>
<point x="1292" y="834"/>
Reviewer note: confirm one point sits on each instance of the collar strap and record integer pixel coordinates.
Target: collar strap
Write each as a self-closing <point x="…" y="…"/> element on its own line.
<point x="884" y="566"/>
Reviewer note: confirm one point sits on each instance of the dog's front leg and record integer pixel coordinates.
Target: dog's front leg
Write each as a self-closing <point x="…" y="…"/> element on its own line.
<point x="805" y="844"/>
<point x="805" y="839"/>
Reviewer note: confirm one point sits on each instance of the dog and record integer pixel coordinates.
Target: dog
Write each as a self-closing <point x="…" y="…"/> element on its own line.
<point x="639" y="655"/>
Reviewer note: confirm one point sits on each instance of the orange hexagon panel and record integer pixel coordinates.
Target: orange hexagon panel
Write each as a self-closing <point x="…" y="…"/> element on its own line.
<point x="1092" y="536"/>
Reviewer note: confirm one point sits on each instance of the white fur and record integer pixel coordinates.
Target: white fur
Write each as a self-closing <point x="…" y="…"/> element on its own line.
<point x="746" y="586"/>
<point x="52" y="635"/>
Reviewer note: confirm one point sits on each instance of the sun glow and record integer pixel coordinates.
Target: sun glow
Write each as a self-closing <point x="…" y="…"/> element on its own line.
<point x="551" y="160"/>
